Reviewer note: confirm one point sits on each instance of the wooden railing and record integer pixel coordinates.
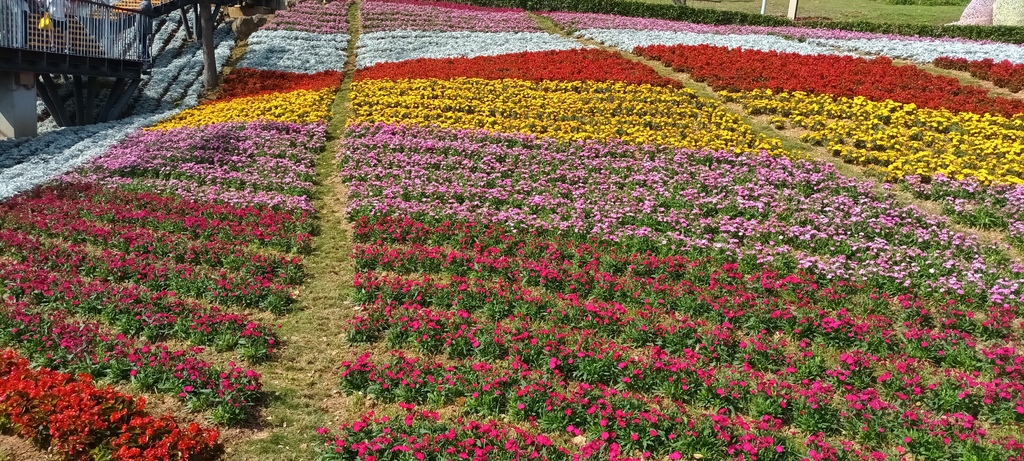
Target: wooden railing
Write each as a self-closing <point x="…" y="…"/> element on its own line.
<point x="79" y="28"/>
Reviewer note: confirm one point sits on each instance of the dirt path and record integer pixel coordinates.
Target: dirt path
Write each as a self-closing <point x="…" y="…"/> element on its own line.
<point x="302" y="382"/>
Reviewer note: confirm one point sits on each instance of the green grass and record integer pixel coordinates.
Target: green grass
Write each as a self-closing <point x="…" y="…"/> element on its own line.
<point x="922" y="12"/>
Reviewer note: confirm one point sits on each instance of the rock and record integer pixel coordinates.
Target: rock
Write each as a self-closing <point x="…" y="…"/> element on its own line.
<point x="246" y="25"/>
<point x="977" y="13"/>
<point x="1008" y="13"/>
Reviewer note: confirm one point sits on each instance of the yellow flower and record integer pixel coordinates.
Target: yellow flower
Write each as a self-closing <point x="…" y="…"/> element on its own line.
<point x="302" y="106"/>
<point x="901" y="138"/>
<point x="636" y="114"/>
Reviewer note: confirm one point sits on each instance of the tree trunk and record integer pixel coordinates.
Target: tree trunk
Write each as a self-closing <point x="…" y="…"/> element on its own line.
<point x="209" y="59"/>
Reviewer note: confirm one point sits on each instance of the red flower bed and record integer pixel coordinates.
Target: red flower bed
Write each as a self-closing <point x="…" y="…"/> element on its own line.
<point x="77" y="420"/>
<point x="876" y="79"/>
<point x="1003" y="74"/>
<point x="243" y="82"/>
<point x="570" y="65"/>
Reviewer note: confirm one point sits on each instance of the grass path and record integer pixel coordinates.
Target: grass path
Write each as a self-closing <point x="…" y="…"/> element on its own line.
<point x="791" y="137"/>
<point x="302" y="381"/>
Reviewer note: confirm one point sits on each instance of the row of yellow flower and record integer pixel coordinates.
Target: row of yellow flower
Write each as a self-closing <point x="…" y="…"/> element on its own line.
<point x="301" y="106"/>
<point x="900" y="138"/>
<point x="639" y="114"/>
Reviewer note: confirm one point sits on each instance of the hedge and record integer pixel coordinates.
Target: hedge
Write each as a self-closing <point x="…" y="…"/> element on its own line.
<point x="1007" y="34"/>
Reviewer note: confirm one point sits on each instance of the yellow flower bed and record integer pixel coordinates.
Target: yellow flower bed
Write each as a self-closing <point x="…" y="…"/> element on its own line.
<point x="302" y="106"/>
<point x="901" y="138"/>
<point x="637" y="114"/>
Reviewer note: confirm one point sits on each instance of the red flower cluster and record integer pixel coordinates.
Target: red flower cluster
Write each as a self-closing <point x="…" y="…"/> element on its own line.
<point x="244" y="82"/>
<point x="1003" y="74"/>
<point x="78" y="420"/>
<point x="845" y="76"/>
<point x="569" y="65"/>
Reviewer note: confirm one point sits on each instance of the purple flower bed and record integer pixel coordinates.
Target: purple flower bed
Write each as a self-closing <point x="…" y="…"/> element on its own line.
<point x="996" y="206"/>
<point x="379" y="16"/>
<point x="258" y="163"/>
<point x="313" y="16"/>
<point x="760" y="209"/>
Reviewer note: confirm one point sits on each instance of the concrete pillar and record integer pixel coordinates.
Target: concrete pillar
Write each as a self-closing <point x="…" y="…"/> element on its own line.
<point x="18" y="104"/>
<point x="792" y="9"/>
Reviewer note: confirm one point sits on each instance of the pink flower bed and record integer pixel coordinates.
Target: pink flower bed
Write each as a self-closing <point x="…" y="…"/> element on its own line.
<point x="380" y="16"/>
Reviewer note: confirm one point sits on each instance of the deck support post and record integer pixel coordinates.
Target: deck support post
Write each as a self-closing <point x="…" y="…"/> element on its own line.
<point x="18" y="105"/>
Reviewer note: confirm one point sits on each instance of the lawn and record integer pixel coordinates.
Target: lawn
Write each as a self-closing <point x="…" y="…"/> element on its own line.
<point x="845" y="10"/>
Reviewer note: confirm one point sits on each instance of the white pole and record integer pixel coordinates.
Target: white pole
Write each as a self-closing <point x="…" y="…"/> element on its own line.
<point x="792" y="9"/>
<point x="764" y="3"/>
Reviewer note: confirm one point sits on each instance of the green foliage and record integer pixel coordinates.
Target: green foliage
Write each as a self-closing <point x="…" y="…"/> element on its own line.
<point x="928" y="2"/>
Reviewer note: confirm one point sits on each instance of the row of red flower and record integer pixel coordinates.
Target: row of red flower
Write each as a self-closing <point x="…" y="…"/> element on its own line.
<point x="570" y="65"/>
<point x="54" y="340"/>
<point x="244" y="82"/>
<point x="77" y="419"/>
<point x="167" y="217"/>
<point x="558" y="405"/>
<point x="677" y="361"/>
<point x="1004" y="74"/>
<point x="255" y="290"/>
<point x="878" y="79"/>
<point x="137" y="311"/>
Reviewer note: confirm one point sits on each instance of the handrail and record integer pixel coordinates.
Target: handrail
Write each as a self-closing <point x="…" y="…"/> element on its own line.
<point x="79" y="28"/>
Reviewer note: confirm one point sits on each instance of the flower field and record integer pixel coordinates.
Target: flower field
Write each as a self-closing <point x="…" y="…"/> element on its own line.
<point x="509" y="243"/>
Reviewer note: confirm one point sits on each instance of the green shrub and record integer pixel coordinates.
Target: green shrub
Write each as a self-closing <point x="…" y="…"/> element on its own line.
<point x="1007" y="34"/>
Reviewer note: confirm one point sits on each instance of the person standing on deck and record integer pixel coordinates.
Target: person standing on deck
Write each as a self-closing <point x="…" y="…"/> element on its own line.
<point x="146" y="7"/>
<point x="58" y="13"/>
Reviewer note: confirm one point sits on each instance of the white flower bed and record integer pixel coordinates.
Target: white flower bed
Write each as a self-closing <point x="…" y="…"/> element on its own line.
<point x="296" y="51"/>
<point x="176" y="79"/>
<point x="26" y="163"/>
<point x="926" y="52"/>
<point x="401" y="45"/>
<point x="627" y="40"/>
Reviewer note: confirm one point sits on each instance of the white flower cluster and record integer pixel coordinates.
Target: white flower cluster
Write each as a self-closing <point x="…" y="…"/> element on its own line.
<point x="401" y="45"/>
<point x="296" y="51"/>
<point x="26" y="163"/>
<point x="926" y="52"/>
<point x="626" y="39"/>
<point x="176" y="78"/>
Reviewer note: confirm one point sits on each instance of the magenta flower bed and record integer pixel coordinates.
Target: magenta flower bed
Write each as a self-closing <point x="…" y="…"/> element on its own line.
<point x="384" y="15"/>
<point x="599" y="301"/>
